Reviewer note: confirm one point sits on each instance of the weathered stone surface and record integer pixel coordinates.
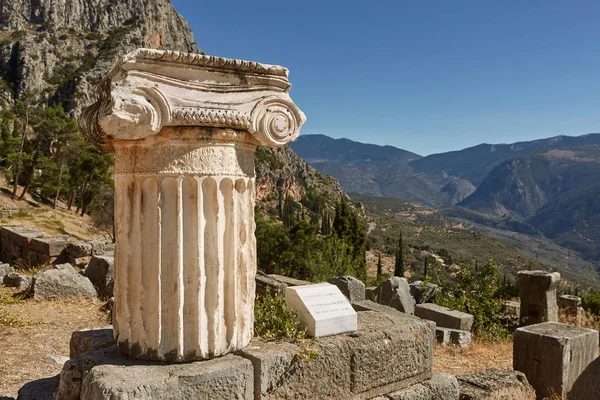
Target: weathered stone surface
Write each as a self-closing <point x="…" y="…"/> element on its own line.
<point x="290" y="281"/>
<point x="184" y="131"/>
<point x="58" y="284"/>
<point x="495" y="384"/>
<point x="553" y="355"/>
<point x="51" y="246"/>
<point x="537" y="290"/>
<point x="90" y="340"/>
<point x="441" y="386"/>
<point x="445" y="317"/>
<point x="587" y="385"/>
<point x="98" y="247"/>
<point x="264" y="282"/>
<point x="351" y="287"/>
<point x="65" y="267"/>
<point x="224" y="378"/>
<point x="349" y="366"/>
<point x="40" y="389"/>
<point x="5" y="269"/>
<point x="100" y="272"/>
<point x="106" y="374"/>
<point x="423" y="292"/>
<point x="370" y="293"/>
<point x="79" y="249"/>
<point x="19" y="281"/>
<point x="447" y="336"/>
<point x="395" y="292"/>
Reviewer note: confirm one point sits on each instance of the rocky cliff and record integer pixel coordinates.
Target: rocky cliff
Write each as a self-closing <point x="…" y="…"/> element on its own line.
<point x="58" y="50"/>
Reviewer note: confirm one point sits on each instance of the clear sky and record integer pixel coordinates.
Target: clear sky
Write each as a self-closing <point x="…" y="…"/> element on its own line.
<point x="426" y="76"/>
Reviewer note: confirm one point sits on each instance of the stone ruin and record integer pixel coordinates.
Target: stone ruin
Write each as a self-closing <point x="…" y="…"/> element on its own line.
<point x="184" y="128"/>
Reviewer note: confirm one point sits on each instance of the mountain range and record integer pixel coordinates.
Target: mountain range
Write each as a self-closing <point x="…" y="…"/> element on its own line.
<point x="545" y="188"/>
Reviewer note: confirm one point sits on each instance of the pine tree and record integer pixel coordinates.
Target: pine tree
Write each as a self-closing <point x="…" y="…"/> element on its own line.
<point x="379" y="267"/>
<point x="346" y="226"/>
<point x="288" y="215"/>
<point x="399" y="264"/>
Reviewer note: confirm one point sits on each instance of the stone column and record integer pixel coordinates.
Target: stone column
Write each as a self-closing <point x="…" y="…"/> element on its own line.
<point x="184" y="128"/>
<point x="537" y="290"/>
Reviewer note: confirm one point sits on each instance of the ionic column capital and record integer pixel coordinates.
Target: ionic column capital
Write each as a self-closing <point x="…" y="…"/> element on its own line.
<point x="148" y="90"/>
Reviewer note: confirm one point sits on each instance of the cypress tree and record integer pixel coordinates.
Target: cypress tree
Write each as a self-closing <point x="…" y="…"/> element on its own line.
<point x="379" y="267"/>
<point x="425" y="268"/>
<point x="399" y="264"/>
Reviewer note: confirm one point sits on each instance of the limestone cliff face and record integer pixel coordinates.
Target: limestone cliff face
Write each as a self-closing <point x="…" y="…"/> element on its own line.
<point x="60" y="49"/>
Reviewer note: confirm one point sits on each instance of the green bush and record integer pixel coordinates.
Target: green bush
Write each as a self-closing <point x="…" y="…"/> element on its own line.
<point x="478" y="293"/>
<point x="591" y="302"/>
<point x="274" y="320"/>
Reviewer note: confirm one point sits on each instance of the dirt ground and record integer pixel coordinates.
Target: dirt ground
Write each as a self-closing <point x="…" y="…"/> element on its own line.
<point x="25" y="349"/>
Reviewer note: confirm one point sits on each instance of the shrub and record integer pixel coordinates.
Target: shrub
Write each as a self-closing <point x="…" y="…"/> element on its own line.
<point x="478" y="293"/>
<point x="274" y="320"/>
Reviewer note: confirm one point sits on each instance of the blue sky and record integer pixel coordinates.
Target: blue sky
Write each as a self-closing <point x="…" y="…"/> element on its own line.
<point x="425" y="76"/>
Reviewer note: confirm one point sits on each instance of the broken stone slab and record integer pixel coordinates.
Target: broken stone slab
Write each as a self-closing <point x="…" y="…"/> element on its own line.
<point x="98" y="247"/>
<point x="90" y="340"/>
<point x="495" y="384"/>
<point x="441" y="386"/>
<point x="51" y="246"/>
<point x="445" y="317"/>
<point x="352" y="288"/>
<point x="370" y="293"/>
<point x="447" y="336"/>
<point x="350" y="366"/>
<point x="100" y="272"/>
<point x="290" y="281"/>
<point x="537" y="290"/>
<point x="80" y="249"/>
<point x="553" y="355"/>
<point x="19" y="281"/>
<point x="106" y="374"/>
<point x="587" y="386"/>
<point x="58" y="284"/>
<point x="266" y="283"/>
<point x="423" y="292"/>
<point x="65" y="267"/>
<point x="395" y="292"/>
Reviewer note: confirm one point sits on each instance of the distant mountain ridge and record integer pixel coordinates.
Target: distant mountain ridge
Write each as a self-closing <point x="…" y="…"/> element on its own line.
<point x="546" y="187"/>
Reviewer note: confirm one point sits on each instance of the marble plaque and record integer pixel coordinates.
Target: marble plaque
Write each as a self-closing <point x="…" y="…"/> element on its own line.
<point x="322" y="309"/>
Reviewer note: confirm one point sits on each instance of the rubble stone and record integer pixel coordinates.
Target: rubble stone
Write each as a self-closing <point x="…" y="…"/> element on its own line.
<point x="495" y="384"/>
<point x="395" y="292"/>
<point x="445" y="317"/>
<point x="351" y="287"/>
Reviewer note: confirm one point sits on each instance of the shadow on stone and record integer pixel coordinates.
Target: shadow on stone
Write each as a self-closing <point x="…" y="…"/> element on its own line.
<point x="587" y="386"/>
<point x="41" y="389"/>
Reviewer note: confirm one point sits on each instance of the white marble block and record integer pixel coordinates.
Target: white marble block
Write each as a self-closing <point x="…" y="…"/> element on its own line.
<point x="184" y="128"/>
<point x="322" y="309"/>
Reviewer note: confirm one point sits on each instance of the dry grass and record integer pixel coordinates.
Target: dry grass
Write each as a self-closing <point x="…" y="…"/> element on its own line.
<point x="25" y="348"/>
<point x="480" y="356"/>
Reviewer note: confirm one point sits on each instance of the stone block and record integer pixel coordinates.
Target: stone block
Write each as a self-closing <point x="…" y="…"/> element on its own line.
<point x="106" y="374"/>
<point x="553" y="355"/>
<point x="370" y="293"/>
<point x="100" y="272"/>
<point x="90" y="340"/>
<point x="290" y="281"/>
<point x="224" y="378"/>
<point x="441" y="386"/>
<point x="40" y="389"/>
<point x="5" y="269"/>
<point x="264" y="282"/>
<point x="98" y="247"/>
<point x="51" y="246"/>
<point x="80" y="249"/>
<point x="358" y="365"/>
<point x="446" y="336"/>
<point x="587" y="386"/>
<point x="56" y="284"/>
<point x="352" y="288"/>
<point x="495" y="384"/>
<point x="445" y="317"/>
<point x="423" y="292"/>
<point x="395" y="292"/>
<point x="537" y="290"/>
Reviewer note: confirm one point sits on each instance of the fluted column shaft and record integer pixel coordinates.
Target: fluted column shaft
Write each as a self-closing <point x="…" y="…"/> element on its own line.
<point x="185" y="256"/>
